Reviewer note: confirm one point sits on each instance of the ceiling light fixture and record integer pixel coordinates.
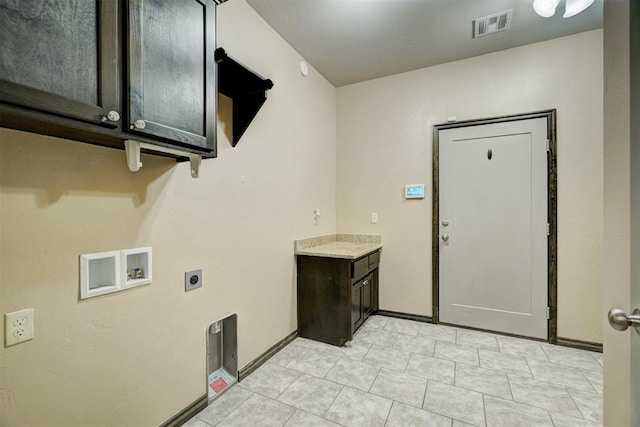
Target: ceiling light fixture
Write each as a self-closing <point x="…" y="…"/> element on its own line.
<point x="547" y="8"/>
<point x="573" y="7"/>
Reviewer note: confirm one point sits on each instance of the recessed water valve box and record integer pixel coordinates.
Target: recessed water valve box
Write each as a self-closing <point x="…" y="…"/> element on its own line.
<point x="222" y="355"/>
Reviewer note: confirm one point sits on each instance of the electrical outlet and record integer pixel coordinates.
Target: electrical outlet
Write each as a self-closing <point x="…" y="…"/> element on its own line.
<point x="18" y="326"/>
<point x="374" y="217"/>
<point x="192" y="280"/>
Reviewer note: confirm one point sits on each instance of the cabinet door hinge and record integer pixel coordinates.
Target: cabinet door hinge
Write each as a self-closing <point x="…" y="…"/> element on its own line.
<point x="548" y="313"/>
<point x="548" y="145"/>
<point x="548" y="229"/>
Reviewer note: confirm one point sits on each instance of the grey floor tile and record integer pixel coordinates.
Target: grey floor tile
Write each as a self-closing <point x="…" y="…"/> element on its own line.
<point x="304" y="419"/>
<point x="404" y="326"/>
<point x="311" y="394"/>
<point x="377" y="322"/>
<point x="516" y="375"/>
<point x="194" y="422"/>
<point x="353" y="374"/>
<point x="560" y="420"/>
<point x="438" y="332"/>
<point x="401" y="387"/>
<point x="522" y="347"/>
<point x="313" y="362"/>
<point x="455" y="402"/>
<point x="291" y="352"/>
<point x="477" y="339"/>
<point x="457" y="353"/>
<point x="544" y="395"/>
<point x="598" y="357"/>
<point x="404" y="416"/>
<point x="506" y="413"/>
<point x="508" y="363"/>
<point x="259" y="411"/>
<point x="356" y="408"/>
<point x="270" y="380"/>
<point x="559" y="374"/>
<point x="596" y="379"/>
<point x="482" y="380"/>
<point x="224" y="405"/>
<point x="571" y="357"/>
<point x="379" y="337"/>
<point x="589" y="403"/>
<point x="352" y="350"/>
<point x="418" y="344"/>
<point x="387" y="358"/>
<point x="432" y="357"/>
<point x="429" y="367"/>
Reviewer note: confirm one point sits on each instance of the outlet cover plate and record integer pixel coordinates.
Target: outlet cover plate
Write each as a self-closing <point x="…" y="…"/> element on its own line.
<point x="18" y="327"/>
<point x="192" y="280"/>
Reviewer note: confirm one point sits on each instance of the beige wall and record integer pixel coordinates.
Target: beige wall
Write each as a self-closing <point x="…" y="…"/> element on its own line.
<point x="385" y="138"/>
<point x="138" y="357"/>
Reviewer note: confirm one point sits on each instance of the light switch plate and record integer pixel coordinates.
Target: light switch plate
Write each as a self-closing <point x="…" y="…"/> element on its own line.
<point x="192" y="280"/>
<point x="18" y="327"/>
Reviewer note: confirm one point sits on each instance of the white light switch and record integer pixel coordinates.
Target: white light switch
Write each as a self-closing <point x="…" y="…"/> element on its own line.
<point x="374" y="217"/>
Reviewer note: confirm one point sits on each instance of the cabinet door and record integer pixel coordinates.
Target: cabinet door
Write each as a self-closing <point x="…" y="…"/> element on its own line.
<point x="367" y="296"/>
<point x="172" y="84"/>
<point x="61" y="58"/>
<point x="356" y="305"/>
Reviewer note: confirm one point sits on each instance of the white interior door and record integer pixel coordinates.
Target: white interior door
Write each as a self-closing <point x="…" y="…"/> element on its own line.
<point x="493" y="226"/>
<point x="621" y="285"/>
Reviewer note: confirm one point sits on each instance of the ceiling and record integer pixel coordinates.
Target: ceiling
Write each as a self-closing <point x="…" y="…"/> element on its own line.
<point x="350" y="41"/>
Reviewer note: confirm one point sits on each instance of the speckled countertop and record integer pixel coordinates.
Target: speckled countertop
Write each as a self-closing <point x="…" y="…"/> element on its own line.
<point x="349" y="246"/>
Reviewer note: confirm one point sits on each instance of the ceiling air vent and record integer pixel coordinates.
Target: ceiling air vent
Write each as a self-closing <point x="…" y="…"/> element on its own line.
<point x="492" y="24"/>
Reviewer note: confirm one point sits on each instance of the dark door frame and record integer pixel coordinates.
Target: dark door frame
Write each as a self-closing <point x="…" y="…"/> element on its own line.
<point x="552" y="212"/>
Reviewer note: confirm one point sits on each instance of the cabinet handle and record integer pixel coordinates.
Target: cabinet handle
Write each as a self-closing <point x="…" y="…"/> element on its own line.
<point x="139" y="124"/>
<point x="113" y="116"/>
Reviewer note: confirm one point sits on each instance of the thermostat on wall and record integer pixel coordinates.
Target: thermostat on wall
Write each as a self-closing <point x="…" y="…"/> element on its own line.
<point x="414" y="191"/>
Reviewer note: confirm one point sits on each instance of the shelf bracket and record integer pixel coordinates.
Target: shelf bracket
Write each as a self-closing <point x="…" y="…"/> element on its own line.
<point x="133" y="148"/>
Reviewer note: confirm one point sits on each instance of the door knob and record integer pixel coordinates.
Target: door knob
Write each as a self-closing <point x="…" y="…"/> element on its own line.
<point x="445" y="237"/>
<point x="620" y="321"/>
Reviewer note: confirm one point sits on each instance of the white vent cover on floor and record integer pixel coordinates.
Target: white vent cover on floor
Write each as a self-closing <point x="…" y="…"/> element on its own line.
<point x="492" y="24"/>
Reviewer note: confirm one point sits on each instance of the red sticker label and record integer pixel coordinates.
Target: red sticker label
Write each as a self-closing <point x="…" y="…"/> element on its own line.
<point x="218" y="385"/>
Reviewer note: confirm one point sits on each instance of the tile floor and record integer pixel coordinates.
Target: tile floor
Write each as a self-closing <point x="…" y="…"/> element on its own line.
<point x="403" y="373"/>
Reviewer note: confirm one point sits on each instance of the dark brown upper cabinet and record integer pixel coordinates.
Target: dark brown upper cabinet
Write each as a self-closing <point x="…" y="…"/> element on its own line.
<point x="62" y="60"/>
<point x="172" y="91"/>
<point x="106" y="71"/>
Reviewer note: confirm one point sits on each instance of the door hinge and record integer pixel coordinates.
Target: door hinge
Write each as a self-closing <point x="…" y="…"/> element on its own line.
<point x="548" y="145"/>
<point x="548" y="313"/>
<point x="548" y="229"/>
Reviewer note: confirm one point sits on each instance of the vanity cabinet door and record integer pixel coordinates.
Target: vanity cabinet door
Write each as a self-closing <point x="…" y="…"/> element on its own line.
<point x="62" y="58"/>
<point x="171" y="71"/>
<point x="356" y="305"/>
<point x="367" y="296"/>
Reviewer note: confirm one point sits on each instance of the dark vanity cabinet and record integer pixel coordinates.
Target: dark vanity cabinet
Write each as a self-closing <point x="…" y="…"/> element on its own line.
<point x="335" y="296"/>
<point x="106" y="71"/>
